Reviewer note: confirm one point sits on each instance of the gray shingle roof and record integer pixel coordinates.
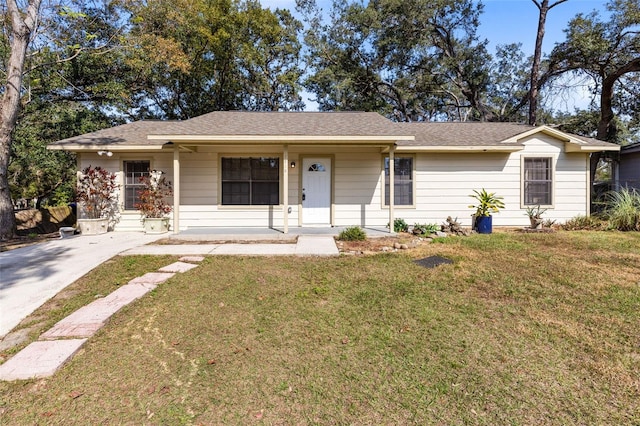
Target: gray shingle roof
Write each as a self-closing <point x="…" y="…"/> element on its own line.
<point x="365" y="125"/>
<point x="474" y="134"/>
<point x="135" y="133"/>
<point x="462" y="134"/>
<point x="238" y="123"/>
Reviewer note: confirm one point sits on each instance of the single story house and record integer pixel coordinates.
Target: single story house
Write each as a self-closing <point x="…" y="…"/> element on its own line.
<point x="627" y="169"/>
<point x="316" y="169"/>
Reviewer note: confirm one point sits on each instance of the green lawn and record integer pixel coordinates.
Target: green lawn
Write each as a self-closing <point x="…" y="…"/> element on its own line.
<point x="521" y="329"/>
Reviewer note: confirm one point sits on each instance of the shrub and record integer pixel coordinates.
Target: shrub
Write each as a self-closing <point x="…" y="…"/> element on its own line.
<point x="426" y="229"/>
<point x="153" y="195"/>
<point x="586" y="223"/>
<point x="488" y="202"/>
<point x="623" y="210"/>
<point x="96" y="192"/>
<point x="399" y="225"/>
<point x="353" y="233"/>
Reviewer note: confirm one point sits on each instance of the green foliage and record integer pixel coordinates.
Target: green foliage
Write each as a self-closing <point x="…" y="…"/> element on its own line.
<point x="535" y="212"/>
<point x="584" y="223"/>
<point x="353" y="233"/>
<point x="191" y="58"/>
<point x="35" y="171"/>
<point x="399" y="225"/>
<point x="426" y="229"/>
<point x="623" y="210"/>
<point x="488" y="202"/>
<point x="409" y="60"/>
<point x="606" y="52"/>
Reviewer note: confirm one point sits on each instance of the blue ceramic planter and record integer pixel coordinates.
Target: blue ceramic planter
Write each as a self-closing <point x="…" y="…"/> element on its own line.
<point x="484" y="224"/>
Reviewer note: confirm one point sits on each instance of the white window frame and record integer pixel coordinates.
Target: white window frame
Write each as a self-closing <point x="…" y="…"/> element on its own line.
<point x="124" y="180"/>
<point x="552" y="164"/>
<point x="413" y="182"/>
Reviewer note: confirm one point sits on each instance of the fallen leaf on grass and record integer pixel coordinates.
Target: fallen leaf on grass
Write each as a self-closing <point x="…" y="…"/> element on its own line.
<point x="211" y="361"/>
<point x="345" y="340"/>
<point x="75" y="394"/>
<point x="259" y="415"/>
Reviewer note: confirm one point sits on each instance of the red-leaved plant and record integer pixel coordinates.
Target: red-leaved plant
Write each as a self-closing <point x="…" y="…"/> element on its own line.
<point x="156" y="189"/>
<point x="97" y="192"/>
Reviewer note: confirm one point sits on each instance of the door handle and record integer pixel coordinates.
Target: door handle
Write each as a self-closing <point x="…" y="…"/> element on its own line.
<point x="304" y="196"/>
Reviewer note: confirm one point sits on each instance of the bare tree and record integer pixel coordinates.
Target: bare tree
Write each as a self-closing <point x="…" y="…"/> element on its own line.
<point x="21" y="27"/>
<point x="544" y="7"/>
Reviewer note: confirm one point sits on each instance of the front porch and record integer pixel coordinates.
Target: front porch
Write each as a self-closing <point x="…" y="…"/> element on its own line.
<point x="266" y="234"/>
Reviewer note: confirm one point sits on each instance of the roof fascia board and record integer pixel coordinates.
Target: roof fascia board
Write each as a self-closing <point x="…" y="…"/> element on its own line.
<point x="492" y="148"/>
<point x="564" y="137"/>
<point x="278" y="139"/>
<point x="94" y="148"/>
<point x="591" y="148"/>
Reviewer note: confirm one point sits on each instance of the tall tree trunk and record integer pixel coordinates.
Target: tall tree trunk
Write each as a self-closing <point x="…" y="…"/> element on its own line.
<point x="544" y="8"/>
<point x="607" y="130"/>
<point x="20" y="35"/>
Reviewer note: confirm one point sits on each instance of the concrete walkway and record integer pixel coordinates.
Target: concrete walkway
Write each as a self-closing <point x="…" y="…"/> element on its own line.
<point x="57" y="345"/>
<point x="32" y="275"/>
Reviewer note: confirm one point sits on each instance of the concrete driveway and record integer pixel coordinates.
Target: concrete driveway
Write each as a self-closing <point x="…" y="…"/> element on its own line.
<point x="32" y="275"/>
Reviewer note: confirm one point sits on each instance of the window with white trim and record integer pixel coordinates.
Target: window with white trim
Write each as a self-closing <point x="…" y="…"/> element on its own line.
<point x="537" y="181"/>
<point x="250" y="181"/>
<point x="133" y="171"/>
<point x="402" y="181"/>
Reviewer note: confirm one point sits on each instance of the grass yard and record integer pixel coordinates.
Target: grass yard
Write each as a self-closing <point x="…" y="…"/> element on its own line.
<point x="522" y="329"/>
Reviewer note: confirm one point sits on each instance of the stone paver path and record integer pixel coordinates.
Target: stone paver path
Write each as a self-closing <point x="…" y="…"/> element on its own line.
<point x="57" y="345"/>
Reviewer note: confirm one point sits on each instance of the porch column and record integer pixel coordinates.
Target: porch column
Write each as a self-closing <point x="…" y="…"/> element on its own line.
<point x="176" y="189"/>
<point x="285" y="189"/>
<point x="392" y="173"/>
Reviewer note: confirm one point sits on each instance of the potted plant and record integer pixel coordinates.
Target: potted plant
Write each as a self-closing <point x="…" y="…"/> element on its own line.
<point x="488" y="202"/>
<point x="153" y="206"/>
<point x="535" y="216"/>
<point x="97" y="198"/>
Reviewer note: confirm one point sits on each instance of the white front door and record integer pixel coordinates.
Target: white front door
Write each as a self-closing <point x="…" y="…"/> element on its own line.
<point x="316" y="191"/>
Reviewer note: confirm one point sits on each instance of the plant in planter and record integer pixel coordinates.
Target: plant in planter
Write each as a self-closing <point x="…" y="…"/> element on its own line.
<point x="488" y="202"/>
<point x="153" y="206"/>
<point x="97" y="198"/>
<point x="535" y="216"/>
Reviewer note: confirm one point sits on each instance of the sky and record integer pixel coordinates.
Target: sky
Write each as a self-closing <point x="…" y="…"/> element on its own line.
<point x="516" y="21"/>
<point x="505" y="22"/>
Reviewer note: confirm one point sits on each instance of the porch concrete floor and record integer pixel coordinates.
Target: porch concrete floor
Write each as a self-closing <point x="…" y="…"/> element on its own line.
<point x="265" y="234"/>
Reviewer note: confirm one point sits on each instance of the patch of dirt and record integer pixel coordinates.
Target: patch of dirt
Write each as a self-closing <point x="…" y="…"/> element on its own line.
<point x="381" y="244"/>
<point x="35" y="226"/>
<point x="24" y="241"/>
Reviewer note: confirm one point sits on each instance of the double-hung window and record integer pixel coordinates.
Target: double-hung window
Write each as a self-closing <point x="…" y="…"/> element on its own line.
<point x="250" y="181"/>
<point x="402" y="181"/>
<point x="537" y="181"/>
<point x="133" y="171"/>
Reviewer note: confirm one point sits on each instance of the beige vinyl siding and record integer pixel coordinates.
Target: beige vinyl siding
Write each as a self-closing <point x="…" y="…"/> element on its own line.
<point x="200" y="203"/>
<point x="357" y="189"/>
<point x="198" y="178"/>
<point x="443" y="183"/>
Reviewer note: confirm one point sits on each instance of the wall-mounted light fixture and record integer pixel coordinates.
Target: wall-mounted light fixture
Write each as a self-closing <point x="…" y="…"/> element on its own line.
<point x="293" y="164"/>
<point x="107" y="153"/>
